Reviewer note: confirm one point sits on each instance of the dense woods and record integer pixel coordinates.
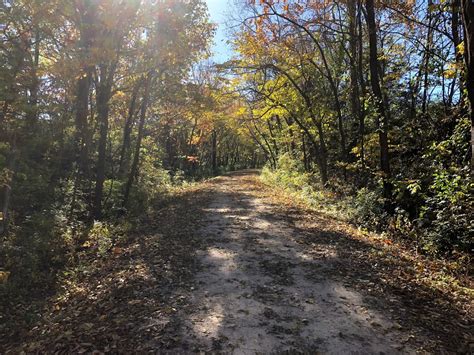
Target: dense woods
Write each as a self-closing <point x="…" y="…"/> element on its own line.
<point x="104" y="105"/>
<point x="108" y="107"/>
<point x="370" y="100"/>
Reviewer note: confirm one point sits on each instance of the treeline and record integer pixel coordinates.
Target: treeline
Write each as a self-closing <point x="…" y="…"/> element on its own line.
<point x="103" y="106"/>
<point x="106" y="105"/>
<point x="374" y="99"/>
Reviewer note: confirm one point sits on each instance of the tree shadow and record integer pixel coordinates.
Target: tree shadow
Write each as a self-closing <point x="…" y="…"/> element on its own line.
<point x="334" y="256"/>
<point x="216" y="270"/>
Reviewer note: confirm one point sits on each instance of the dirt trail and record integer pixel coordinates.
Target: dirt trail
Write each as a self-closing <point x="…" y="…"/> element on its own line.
<point x="260" y="291"/>
<point x="230" y="267"/>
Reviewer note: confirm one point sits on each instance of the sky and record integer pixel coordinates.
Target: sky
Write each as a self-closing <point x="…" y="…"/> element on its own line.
<point x="217" y="9"/>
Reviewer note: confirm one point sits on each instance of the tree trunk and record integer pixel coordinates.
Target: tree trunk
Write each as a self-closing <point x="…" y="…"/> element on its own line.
<point x="7" y="191"/>
<point x="323" y="158"/>
<point x="381" y="119"/>
<point x="272" y="137"/>
<point x="355" y="93"/>
<point x="103" y="96"/>
<point x="289" y="123"/>
<point x="468" y="19"/>
<point x="360" y="64"/>
<point x="141" y="124"/>
<point x="32" y="114"/>
<point x="427" y="57"/>
<point x="127" y="130"/>
<point x="305" y="156"/>
<point x="82" y="134"/>
<point x="455" y="8"/>
<point x="214" y="151"/>
<point x="82" y="88"/>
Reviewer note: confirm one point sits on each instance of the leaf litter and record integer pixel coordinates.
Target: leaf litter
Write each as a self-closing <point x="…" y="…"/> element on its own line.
<point x="233" y="266"/>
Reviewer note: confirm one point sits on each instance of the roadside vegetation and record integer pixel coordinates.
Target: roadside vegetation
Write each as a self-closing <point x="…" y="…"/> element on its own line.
<point x="111" y="111"/>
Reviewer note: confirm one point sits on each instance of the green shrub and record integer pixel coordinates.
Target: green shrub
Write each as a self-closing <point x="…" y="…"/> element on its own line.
<point x="34" y="252"/>
<point x="100" y="236"/>
<point x="368" y="209"/>
<point x="289" y="174"/>
<point x="448" y="215"/>
<point x="435" y="212"/>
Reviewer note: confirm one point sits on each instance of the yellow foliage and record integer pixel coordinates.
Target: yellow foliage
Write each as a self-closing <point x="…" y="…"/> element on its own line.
<point x="4" y="277"/>
<point x="451" y="71"/>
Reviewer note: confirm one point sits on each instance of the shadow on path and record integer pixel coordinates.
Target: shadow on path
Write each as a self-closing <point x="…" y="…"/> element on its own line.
<point x="268" y="283"/>
<point x="223" y="268"/>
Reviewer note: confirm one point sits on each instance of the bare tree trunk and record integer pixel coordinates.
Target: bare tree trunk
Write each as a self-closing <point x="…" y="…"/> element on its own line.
<point x="127" y="130"/>
<point x="427" y="57"/>
<point x="32" y="114"/>
<point x="355" y="92"/>
<point x="455" y="8"/>
<point x="323" y="157"/>
<point x="103" y="119"/>
<point x="87" y="11"/>
<point x="82" y="134"/>
<point x="141" y="124"/>
<point x="468" y="19"/>
<point x="381" y="117"/>
<point x="360" y="64"/>
<point x="214" y="151"/>
<point x="103" y="94"/>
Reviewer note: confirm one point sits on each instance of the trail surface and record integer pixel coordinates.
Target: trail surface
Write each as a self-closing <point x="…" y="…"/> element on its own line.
<point x="232" y="266"/>
<point x="274" y="278"/>
<point x="261" y="290"/>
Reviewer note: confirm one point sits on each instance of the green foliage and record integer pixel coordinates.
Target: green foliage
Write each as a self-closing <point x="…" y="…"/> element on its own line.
<point x="34" y="252"/>
<point x="289" y="173"/>
<point x="443" y="225"/>
<point x="101" y="237"/>
<point x="290" y="176"/>
<point x="368" y="210"/>
<point x="113" y="197"/>
<point x="448" y="215"/>
<point x="153" y="184"/>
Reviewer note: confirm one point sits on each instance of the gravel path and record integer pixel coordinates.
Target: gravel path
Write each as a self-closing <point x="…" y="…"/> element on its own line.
<point x="260" y="291"/>
<point x="231" y="266"/>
